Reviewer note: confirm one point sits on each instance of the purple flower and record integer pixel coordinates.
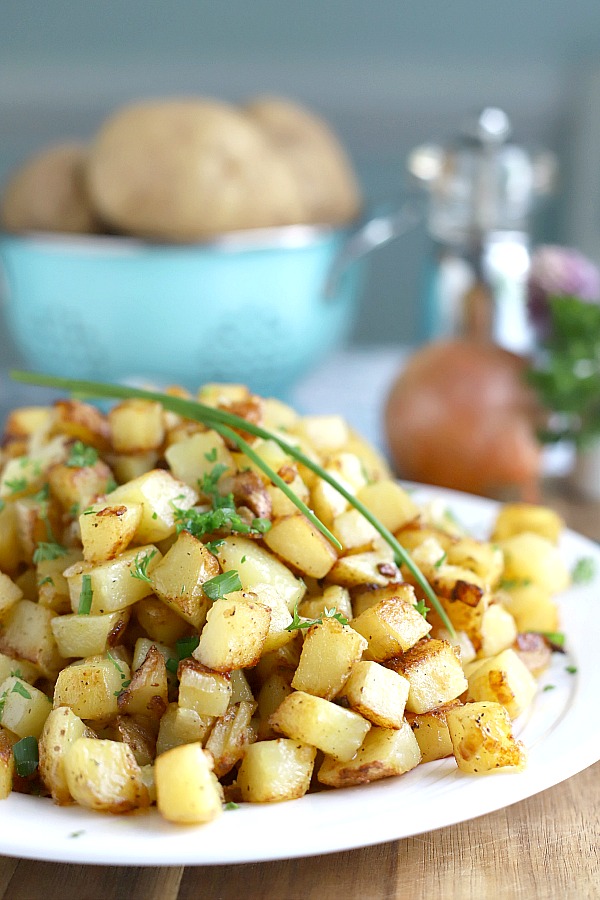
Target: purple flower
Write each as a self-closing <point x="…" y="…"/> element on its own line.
<point x="559" y="272"/>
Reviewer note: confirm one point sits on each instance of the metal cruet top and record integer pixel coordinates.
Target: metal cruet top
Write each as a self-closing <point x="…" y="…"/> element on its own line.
<point x="481" y="182"/>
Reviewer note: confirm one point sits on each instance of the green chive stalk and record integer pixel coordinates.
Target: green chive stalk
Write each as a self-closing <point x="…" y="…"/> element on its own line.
<point x="224" y="423"/>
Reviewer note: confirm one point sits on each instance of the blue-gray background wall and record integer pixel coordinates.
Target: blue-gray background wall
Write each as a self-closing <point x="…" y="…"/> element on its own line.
<point x="387" y="74"/>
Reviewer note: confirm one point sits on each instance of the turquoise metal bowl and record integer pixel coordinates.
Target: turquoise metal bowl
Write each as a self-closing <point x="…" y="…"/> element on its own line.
<point x="260" y="307"/>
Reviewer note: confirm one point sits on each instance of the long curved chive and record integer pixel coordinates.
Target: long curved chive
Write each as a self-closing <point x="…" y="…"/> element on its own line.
<point x="221" y="419"/>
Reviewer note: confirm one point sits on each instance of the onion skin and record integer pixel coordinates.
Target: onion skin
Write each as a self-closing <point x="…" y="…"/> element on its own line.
<point x="459" y="415"/>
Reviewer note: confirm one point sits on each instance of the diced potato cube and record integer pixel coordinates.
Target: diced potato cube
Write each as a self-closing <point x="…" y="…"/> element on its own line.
<point x="159" y="621"/>
<point x="181" y="725"/>
<point x="274" y="690"/>
<point x="194" y="457"/>
<point x="24" y="707"/>
<point x="207" y="693"/>
<point x="230" y="737"/>
<point x="27" y="633"/>
<point x="10" y="593"/>
<point x="280" y="618"/>
<point x="390" y="503"/>
<point x="377" y="693"/>
<point x="82" y="636"/>
<point x="108" y="530"/>
<point x="104" y="775"/>
<point x="531" y="557"/>
<point x="431" y="732"/>
<point x="235" y="633"/>
<point x="334" y="597"/>
<point x="353" y="531"/>
<point x="91" y="688"/>
<point x="61" y="730"/>
<point x="187" y="791"/>
<point x="10" y="550"/>
<point x="393" y="625"/>
<point x="76" y="487"/>
<point x="147" y="692"/>
<point x="159" y="494"/>
<point x="503" y="679"/>
<point x="82" y="422"/>
<point x="482" y="738"/>
<point x="336" y="731"/>
<point x="329" y="652"/>
<point x="178" y="578"/>
<point x="115" y="583"/>
<point x="22" y="668"/>
<point x="326" y="433"/>
<point x="53" y="589"/>
<point x="129" y="466"/>
<point x="384" y="752"/>
<point x="515" y="518"/>
<point x="136" y="426"/>
<point x="374" y="567"/>
<point x="298" y="542"/>
<point x="435" y="675"/>
<point x="531" y="606"/>
<point x="276" y="770"/>
<point x="255" y="566"/>
<point x="481" y="557"/>
<point x="498" y="630"/>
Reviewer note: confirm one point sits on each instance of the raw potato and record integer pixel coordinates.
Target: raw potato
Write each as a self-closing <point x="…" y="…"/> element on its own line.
<point x="316" y="158"/>
<point x="185" y="170"/>
<point x="47" y="193"/>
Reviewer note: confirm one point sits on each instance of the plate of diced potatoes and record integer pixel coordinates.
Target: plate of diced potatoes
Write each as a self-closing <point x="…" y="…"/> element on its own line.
<point x="195" y="671"/>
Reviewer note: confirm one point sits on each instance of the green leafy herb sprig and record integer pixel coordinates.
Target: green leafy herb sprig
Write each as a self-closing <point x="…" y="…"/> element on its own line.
<point x="566" y="375"/>
<point x="299" y="623"/>
<point x="228" y="425"/>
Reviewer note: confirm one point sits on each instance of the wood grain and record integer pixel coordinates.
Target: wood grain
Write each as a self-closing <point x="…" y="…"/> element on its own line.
<point x="544" y="848"/>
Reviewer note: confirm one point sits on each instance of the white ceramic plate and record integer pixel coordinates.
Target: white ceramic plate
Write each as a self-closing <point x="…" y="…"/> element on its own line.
<point x="561" y="736"/>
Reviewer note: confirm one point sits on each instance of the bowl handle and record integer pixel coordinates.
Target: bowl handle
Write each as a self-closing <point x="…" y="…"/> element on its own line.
<point x="375" y="232"/>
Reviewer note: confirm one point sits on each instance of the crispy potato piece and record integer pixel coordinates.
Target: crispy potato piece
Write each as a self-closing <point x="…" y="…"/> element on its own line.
<point x="148" y="692"/>
<point x="503" y="679"/>
<point x="206" y="692"/>
<point x="230" y="737"/>
<point x="384" y="752"/>
<point x="434" y="673"/>
<point x="336" y="731"/>
<point x="181" y="725"/>
<point x="431" y="731"/>
<point x="329" y="652"/>
<point x="27" y="633"/>
<point x="108" y="530"/>
<point x="272" y="771"/>
<point x="104" y="775"/>
<point x="61" y="729"/>
<point x="377" y="693"/>
<point x="178" y="578"/>
<point x="482" y="738"/>
<point x="187" y="790"/>
<point x="515" y="518"/>
<point x="24" y="707"/>
<point x="392" y="625"/>
<point x="300" y="544"/>
<point x="235" y="633"/>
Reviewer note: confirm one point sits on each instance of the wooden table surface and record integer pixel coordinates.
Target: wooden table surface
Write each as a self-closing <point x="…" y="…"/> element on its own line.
<point x="544" y="848"/>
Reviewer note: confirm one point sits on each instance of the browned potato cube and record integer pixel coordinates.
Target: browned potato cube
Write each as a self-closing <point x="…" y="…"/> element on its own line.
<point x="482" y="738"/>
<point x="503" y="679"/>
<point x="329" y="652"/>
<point x="431" y="732"/>
<point x="187" y="791"/>
<point x="276" y="770"/>
<point x="300" y="544"/>
<point x="377" y="693"/>
<point x="179" y="576"/>
<point x="393" y="625"/>
<point x="435" y="675"/>
<point x="332" y="729"/>
<point x="384" y="752"/>
<point x="235" y="633"/>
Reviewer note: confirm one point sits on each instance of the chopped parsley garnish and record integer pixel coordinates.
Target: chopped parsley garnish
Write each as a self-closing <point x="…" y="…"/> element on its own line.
<point x="555" y="638"/>
<point x="231" y="805"/>
<point x="16" y="485"/>
<point x="211" y="456"/>
<point x="125" y="682"/>
<point x="549" y="687"/>
<point x="81" y="456"/>
<point x="19" y="688"/>
<point x="216" y="588"/>
<point x="509" y="584"/>
<point x="46" y="580"/>
<point x="571" y="669"/>
<point x="85" y="596"/>
<point x="111" y="485"/>
<point x="222" y="513"/>
<point x="213" y="546"/>
<point x="184" y="647"/>
<point x="298" y="622"/>
<point x="140" y="566"/>
<point x="48" y="550"/>
<point x="421" y="608"/>
<point x="440" y="562"/>
<point x="26" y="756"/>
<point x="583" y="570"/>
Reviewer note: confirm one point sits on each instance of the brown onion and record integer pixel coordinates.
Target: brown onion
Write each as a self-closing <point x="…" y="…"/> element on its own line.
<point x="460" y="415"/>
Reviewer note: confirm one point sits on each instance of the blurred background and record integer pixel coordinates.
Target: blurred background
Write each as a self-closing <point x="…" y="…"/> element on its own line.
<point x="387" y="75"/>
